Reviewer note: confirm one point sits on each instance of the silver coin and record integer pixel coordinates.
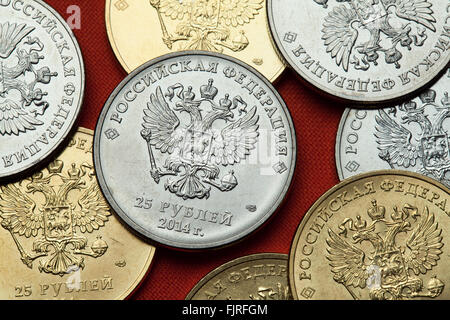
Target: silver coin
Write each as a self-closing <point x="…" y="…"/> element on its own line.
<point x="363" y="51"/>
<point x="41" y="83"/>
<point x="195" y="150"/>
<point x="413" y="136"/>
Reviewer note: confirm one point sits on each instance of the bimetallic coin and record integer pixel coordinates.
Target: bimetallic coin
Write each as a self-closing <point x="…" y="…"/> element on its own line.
<point x="413" y="136"/>
<point x="41" y="84"/>
<point x="60" y="239"/>
<point x="195" y="150"/>
<point x="363" y="51"/>
<point x="260" y="276"/>
<point x="142" y="30"/>
<point x="382" y="236"/>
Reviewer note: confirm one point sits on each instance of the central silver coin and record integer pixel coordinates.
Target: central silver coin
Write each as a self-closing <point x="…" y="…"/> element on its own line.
<point x="41" y="84"/>
<point x="195" y="150"/>
<point x="363" y="51"/>
<point x="413" y="136"/>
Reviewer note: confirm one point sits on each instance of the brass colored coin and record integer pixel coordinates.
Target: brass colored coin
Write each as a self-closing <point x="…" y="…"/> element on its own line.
<point x="256" y="277"/>
<point x="60" y="240"/>
<point x="382" y="235"/>
<point x="143" y="30"/>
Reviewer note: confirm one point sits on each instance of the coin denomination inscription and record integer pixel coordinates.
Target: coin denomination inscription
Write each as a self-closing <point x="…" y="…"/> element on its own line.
<point x="60" y="238"/>
<point x="369" y="51"/>
<point x="41" y="83"/>
<point x="255" y="277"/>
<point x="412" y="136"/>
<point x="142" y="30"/>
<point x="209" y="129"/>
<point x="385" y="237"/>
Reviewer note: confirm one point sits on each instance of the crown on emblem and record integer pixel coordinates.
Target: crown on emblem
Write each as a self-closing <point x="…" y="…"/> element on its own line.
<point x="56" y="167"/>
<point x="410" y="106"/>
<point x="428" y="96"/>
<point x="225" y="103"/>
<point x="209" y="92"/>
<point x="188" y="95"/>
<point x="376" y="212"/>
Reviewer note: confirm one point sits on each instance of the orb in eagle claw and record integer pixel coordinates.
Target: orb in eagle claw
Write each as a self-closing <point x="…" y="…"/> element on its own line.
<point x="363" y="51"/>
<point x="41" y="84"/>
<point x="211" y="130"/>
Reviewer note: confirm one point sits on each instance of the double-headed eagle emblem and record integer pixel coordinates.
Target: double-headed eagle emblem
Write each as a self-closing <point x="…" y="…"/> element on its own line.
<point x="388" y="24"/>
<point x="391" y="270"/>
<point x="426" y="149"/>
<point x="71" y="204"/>
<point x="198" y="147"/>
<point x="20" y="101"/>
<point x="207" y="24"/>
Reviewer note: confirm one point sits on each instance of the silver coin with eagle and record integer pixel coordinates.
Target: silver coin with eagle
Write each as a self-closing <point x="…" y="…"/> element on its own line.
<point x="364" y="51"/>
<point x="41" y="84"/>
<point x="195" y="150"/>
<point x="413" y="136"/>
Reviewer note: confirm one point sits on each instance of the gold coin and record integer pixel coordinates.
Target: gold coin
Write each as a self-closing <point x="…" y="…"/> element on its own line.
<point x="140" y="30"/>
<point x="382" y="235"/>
<point x="60" y="240"/>
<point x="256" y="277"/>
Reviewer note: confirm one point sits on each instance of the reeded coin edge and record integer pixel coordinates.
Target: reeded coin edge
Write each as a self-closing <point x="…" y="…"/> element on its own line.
<point x="325" y="196"/>
<point x="173" y="244"/>
<point x="115" y="47"/>
<point x="26" y="169"/>
<point x="231" y="264"/>
<point x="375" y="103"/>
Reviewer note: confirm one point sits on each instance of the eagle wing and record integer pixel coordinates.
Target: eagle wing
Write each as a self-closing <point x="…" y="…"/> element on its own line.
<point x="163" y="123"/>
<point x="416" y="10"/>
<point x="18" y="210"/>
<point x="347" y="262"/>
<point x="94" y="211"/>
<point x="239" y="12"/>
<point x="236" y="140"/>
<point x="394" y="141"/>
<point x="339" y="34"/>
<point x="425" y="244"/>
<point x="10" y="36"/>
<point x="14" y="119"/>
<point x="175" y="9"/>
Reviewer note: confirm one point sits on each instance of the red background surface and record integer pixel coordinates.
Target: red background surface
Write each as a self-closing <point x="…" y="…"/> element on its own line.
<point x="316" y="120"/>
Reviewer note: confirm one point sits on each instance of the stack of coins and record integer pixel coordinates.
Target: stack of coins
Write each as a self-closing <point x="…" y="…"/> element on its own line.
<point x="196" y="150"/>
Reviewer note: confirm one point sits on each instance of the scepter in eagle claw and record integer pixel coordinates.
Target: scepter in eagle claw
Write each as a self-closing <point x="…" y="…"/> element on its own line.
<point x="154" y="170"/>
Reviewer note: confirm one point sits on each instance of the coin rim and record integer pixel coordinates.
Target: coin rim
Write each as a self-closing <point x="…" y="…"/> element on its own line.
<point x="337" y="150"/>
<point x="257" y="256"/>
<point x="143" y="273"/>
<point x="70" y="129"/>
<point x="344" y="98"/>
<point x="309" y="213"/>
<point x="203" y="245"/>
<point x="108" y="6"/>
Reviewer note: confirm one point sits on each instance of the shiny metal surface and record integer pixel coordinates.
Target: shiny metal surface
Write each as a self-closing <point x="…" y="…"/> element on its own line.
<point x="360" y="51"/>
<point x="41" y="84"/>
<point x="195" y="150"/>
<point x="412" y="136"/>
